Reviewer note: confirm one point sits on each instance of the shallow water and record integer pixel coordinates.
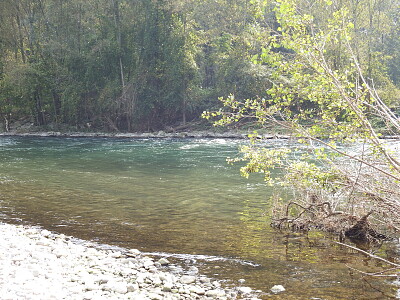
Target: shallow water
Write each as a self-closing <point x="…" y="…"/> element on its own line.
<point x="178" y="198"/>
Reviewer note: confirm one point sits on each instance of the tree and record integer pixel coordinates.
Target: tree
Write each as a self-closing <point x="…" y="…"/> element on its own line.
<point x="326" y="108"/>
<point x="124" y="65"/>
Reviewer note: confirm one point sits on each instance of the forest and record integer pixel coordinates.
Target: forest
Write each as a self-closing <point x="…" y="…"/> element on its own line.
<point x="146" y="65"/>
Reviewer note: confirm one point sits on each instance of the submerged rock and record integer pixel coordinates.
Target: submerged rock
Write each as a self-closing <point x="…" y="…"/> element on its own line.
<point x="193" y="270"/>
<point x="277" y="289"/>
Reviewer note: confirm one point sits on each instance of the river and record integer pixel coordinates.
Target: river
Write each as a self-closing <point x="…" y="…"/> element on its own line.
<point x="178" y="198"/>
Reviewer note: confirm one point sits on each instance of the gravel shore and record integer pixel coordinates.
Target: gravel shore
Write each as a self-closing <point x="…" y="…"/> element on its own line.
<point x="38" y="264"/>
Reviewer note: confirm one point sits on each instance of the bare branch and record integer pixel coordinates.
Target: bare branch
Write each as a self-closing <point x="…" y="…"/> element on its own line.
<point x="397" y="266"/>
<point x="376" y="274"/>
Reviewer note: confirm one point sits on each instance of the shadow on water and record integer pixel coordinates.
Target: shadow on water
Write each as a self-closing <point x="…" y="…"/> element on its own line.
<point x="176" y="198"/>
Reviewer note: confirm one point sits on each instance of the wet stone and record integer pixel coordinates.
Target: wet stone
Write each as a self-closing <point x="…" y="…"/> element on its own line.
<point x="163" y="261"/>
<point x="134" y="252"/>
<point x="277" y="289"/>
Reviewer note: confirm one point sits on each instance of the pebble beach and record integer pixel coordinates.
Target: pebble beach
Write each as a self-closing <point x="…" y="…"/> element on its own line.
<point x="38" y="264"/>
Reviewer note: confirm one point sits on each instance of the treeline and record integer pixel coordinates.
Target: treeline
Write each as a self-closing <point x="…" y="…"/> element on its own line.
<point x="139" y="65"/>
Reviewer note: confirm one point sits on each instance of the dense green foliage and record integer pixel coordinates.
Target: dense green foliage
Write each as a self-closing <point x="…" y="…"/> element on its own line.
<point x="144" y="65"/>
<point x="330" y="90"/>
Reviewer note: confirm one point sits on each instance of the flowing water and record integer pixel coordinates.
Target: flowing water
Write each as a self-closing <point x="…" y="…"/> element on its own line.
<point x="177" y="198"/>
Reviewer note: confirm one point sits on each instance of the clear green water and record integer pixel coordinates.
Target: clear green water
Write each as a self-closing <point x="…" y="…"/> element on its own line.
<point x="175" y="197"/>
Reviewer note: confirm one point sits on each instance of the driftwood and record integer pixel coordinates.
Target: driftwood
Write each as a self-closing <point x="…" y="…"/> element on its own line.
<point x="321" y="216"/>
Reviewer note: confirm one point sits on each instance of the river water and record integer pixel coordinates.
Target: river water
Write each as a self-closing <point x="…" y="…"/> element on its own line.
<point x="177" y="198"/>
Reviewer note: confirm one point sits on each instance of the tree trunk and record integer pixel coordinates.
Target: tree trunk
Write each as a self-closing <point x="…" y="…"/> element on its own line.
<point x="40" y="117"/>
<point x="20" y="39"/>
<point x="117" y="22"/>
<point x="57" y="105"/>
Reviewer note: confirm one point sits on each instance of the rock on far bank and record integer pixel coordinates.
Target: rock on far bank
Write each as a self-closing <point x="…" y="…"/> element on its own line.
<point x="38" y="264"/>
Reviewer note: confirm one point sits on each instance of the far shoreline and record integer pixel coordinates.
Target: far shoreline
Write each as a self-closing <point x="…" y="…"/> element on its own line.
<point x="206" y="134"/>
<point x="144" y="135"/>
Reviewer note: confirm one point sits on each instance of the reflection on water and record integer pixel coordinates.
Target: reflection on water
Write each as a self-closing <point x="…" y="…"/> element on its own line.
<point x="178" y="198"/>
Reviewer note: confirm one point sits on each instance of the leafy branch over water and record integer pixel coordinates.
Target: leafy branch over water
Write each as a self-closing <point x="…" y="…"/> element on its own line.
<point x="352" y="190"/>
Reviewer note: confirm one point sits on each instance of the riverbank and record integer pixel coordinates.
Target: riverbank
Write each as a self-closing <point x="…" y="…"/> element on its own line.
<point x="143" y="135"/>
<point x="39" y="264"/>
<point x="192" y="130"/>
<point x="161" y="134"/>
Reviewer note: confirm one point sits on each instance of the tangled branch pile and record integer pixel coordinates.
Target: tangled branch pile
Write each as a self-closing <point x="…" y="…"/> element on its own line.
<point x="361" y="200"/>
